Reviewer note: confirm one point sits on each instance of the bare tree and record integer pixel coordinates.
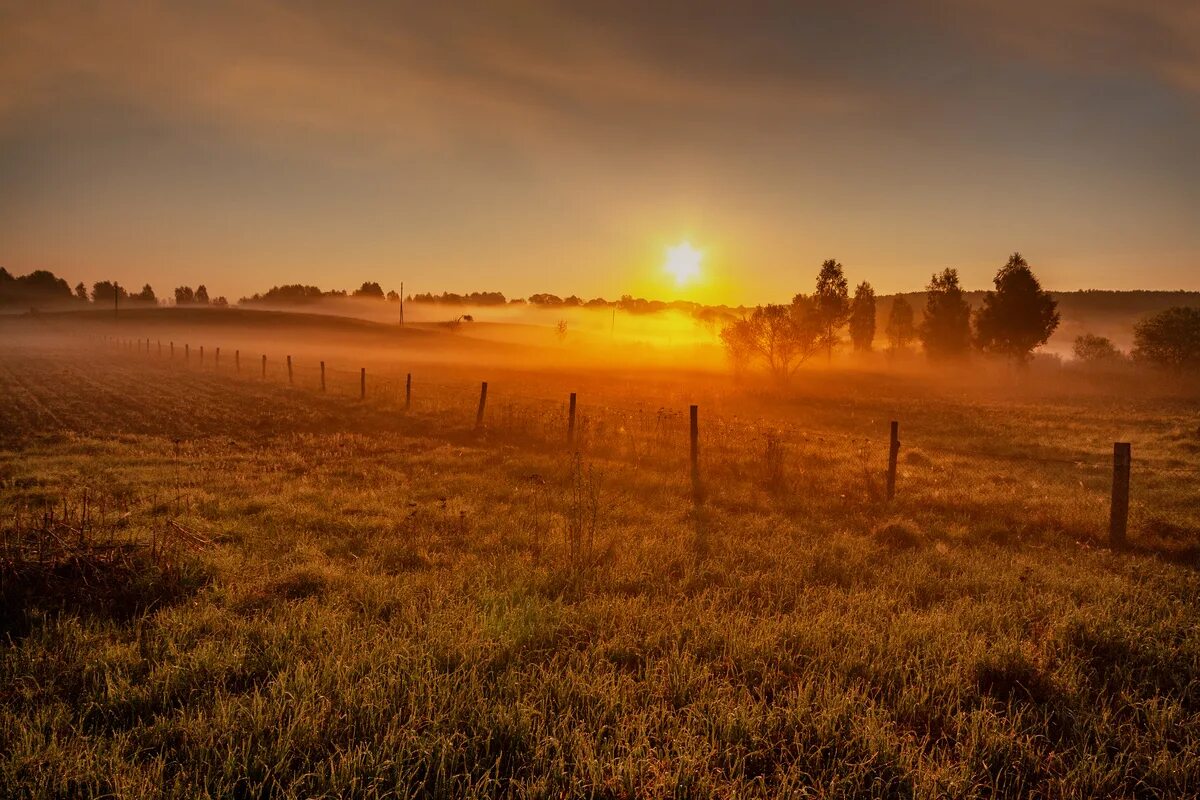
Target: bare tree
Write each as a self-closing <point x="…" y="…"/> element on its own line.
<point x="782" y="336"/>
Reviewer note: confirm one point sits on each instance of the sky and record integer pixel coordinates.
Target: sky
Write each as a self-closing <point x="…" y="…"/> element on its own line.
<point x="563" y="147"/>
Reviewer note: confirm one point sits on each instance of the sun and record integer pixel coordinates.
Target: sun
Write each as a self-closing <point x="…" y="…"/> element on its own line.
<point x="683" y="262"/>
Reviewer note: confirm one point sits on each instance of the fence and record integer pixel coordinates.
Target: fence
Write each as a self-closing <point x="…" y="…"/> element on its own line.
<point x="661" y="431"/>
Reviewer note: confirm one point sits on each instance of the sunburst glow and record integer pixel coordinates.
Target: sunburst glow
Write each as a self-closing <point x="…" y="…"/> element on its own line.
<point x="683" y="263"/>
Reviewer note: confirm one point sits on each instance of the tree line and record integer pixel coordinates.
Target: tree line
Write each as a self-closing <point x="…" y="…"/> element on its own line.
<point x="1016" y="317"/>
<point x="42" y="287"/>
<point x="300" y="294"/>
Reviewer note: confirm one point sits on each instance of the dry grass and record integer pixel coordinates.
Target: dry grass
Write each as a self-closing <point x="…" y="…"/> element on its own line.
<point x="392" y="605"/>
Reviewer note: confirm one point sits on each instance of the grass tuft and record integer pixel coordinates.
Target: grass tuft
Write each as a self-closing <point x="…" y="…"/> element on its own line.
<point x="1008" y="672"/>
<point x="898" y="534"/>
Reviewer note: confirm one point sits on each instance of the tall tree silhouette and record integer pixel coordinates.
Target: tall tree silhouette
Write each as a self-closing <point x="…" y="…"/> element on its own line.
<point x="831" y="303"/>
<point x="945" y="329"/>
<point x="1018" y="316"/>
<point x="862" y="318"/>
<point x="901" y="330"/>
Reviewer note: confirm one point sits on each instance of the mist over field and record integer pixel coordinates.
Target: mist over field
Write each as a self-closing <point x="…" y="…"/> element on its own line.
<point x="344" y="537"/>
<point x="858" y="455"/>
<point x="599" y="330"/>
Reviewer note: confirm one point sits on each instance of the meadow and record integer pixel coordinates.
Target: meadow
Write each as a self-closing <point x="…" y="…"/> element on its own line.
<point x="221" y="584"/>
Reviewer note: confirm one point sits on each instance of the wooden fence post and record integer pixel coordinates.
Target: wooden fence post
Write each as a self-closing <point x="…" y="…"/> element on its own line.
<point x="1118" y="520"/>
<point x="322" y="376"/>
<point x="482" y="405"/>
<point x="172" y="349"/>
<point x="694" y="431"/>
<point x="202" y="355"/>
<point x="893" y="452"/>
<point x="160" y="348"/>
<point x="187" y="353"/>
<point x="289" y="359"/>
<point x="264" y="365"/>
<point x="217" y="358"/>
<point x="362" y="383"/>
<point x="571" y="421"/>
<point x="237" y="361"/>
<point x="408" y="392"/>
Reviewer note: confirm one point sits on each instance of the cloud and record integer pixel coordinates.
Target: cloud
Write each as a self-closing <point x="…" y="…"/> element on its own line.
<point x="1159" y="39"/>
<point x="414" y="76"/>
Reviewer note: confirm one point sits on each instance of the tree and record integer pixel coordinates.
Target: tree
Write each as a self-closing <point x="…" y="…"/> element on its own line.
<point x="393" y="296"/>
<point x="831" y="303"/>
<point x="1018" y="316"/>
<point x="37" y="288"/>
<point x="292" y="293"/>
<point x="221" y="302"/>
<point x="740" y="340"/>
<point x="945" y="329"/>
<point x="1169" y="339"/>
<point x="202" y="294"/>
<point x="106" y="292"/>
<point x="146" y="295"/>
<point x="184" y="296"/>
<point x="560" y="330"/>
<point x="1092" y="349"/>
<point x="862" y="317"/>
<point x="900" y="328"/>
<point x="370" y="289"/>
<point x="81" y="292"/>
<point x="783" y="337"/>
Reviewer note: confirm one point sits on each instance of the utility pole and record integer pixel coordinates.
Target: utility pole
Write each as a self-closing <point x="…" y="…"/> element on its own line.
<point x="401" y="304"/>
<point x="116" y="299"/>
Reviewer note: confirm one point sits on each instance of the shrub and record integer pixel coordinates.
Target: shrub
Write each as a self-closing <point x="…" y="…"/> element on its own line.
<point x="1092" y="349"/>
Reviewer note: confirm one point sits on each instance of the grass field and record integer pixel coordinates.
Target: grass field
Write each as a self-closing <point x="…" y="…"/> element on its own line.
<point x="220" y="585"/>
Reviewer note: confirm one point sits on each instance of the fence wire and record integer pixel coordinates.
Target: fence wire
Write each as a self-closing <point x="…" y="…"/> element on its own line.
<point x="637" y="429"/>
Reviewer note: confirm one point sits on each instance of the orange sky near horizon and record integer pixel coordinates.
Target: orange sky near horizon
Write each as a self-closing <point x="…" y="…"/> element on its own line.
<point x="538" y="146"/>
